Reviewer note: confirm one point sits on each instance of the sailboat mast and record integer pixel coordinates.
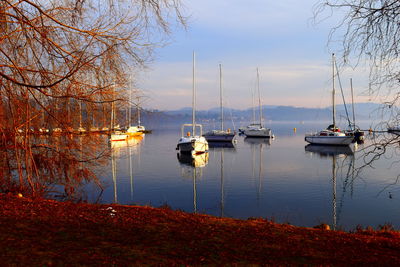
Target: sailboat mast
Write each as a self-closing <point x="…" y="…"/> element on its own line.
<point x="112" y="109"/>
<point x="259" y="96"/>
<point x="194" y="97"/>
<point x="252" y="102"/>
<point x="80" y="114"/>
<point x="130" y="102"/>
<point x="220" y="96"/>
<point x="138" y="109"/>
<point x="352" y="103"/>
<point x="333" y="92"/>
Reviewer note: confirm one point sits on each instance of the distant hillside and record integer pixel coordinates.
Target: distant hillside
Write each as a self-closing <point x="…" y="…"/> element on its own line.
<point x="279" y="113"/>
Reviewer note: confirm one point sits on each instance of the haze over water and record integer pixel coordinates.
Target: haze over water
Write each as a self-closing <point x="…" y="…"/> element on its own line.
<point x="280" y="179"/>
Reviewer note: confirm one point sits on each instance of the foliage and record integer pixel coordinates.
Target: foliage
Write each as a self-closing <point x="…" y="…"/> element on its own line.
<point x="41" y="232"/>
<point x="63" y="64"/>
<point x="369" y="31"/>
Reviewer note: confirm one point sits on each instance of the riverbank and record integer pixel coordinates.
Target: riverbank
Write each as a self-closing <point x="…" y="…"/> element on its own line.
<point x="39" y="232"/>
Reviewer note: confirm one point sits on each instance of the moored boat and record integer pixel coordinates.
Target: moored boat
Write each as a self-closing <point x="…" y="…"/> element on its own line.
<point x="220" y="135"/>
<point x="118" y="136"/>
<point x="192" y="143"/>
<point x="329" y="137"/>
<point x="257" y="129"/>
<point x="133" y="131"/>
<point x="332" y="135"/>
<point x="394" y="130"/>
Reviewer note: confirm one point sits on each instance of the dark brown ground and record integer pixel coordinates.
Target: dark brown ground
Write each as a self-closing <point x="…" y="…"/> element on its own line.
<point x="42" y="232"/>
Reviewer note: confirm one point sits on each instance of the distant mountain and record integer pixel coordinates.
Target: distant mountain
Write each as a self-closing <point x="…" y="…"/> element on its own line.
<point x="363" y="111"/>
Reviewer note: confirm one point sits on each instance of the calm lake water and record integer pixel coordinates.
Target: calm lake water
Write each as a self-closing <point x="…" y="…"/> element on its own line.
<point x="280" y="179"/>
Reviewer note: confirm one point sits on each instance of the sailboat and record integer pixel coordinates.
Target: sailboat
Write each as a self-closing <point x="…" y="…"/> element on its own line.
<point x="140" y="128"/>
<point x="220" y="135"/>
<point x="80" y="129"/>
<point x="133" y="130"/>
<point x="394" y="130"/>
<point x="332" y="135"/>
<point x="242" y="129"/>
<point x="354" y="130"/>
<point x="192" y="143"/>
<point x="116" y="133"/>
<point x="137" y="129"/>
<point x="256" y="129"/>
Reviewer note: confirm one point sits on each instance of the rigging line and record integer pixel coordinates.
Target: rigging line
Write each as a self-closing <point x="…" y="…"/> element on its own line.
<point x="344" y="101"/>
<point x="230" y="111"/>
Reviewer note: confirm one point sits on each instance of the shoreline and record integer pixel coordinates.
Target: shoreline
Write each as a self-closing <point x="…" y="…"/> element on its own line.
<point x="47" y="232"/>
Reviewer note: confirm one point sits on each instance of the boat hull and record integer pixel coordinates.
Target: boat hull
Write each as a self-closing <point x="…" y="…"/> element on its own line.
<point x="193" y="145"/>
<point x="394" y="130"/>
<point x="329" y="140"/>
<point x="134" y="131"/>
<point x="262" y="133"/>
<point x="219" y="137"/>
<point x="118" y="136"/>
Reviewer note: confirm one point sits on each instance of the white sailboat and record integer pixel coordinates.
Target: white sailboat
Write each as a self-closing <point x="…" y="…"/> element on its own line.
<point x="140" y="127"/>
<point x="257" y="129"/>
<point x="116" y="133"/>
<point x="192" y="143"/>
<point x="394" y="130"/>
<point x="118" y="136"/>
<point x="220" y="135"/>
<point x="133" y="130"/>
<point x="332" y="135"/>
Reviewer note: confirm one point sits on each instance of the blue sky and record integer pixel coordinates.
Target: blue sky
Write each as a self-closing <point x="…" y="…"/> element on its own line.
<point x="278" y="37"/>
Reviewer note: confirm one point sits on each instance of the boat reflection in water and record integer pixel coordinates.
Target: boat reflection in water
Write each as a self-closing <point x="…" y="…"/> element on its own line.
<point x="326" y="150"/>
<point x="194" y="160"/>
<point x="222" y="145"/>
<point x="119" y="149"/>
<point x="192" y="165"/>
<point x="132" y="141"/>
<point x="258" y="144"/>
<point x="338" y="155"/>
<point x="257" y="141"/>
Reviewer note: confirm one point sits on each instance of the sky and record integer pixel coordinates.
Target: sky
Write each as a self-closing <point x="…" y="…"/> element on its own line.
<point x="279" y="38"/>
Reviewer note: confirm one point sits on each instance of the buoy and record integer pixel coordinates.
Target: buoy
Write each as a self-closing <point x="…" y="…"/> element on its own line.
<point x="188" y="134"/>
<point x="322" y="226"/>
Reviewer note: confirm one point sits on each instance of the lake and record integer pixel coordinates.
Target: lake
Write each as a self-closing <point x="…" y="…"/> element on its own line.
<point x="281" y="179"/>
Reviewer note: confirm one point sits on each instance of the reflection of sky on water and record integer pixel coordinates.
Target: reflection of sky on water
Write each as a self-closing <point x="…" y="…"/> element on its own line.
<point x="292" y="184"/>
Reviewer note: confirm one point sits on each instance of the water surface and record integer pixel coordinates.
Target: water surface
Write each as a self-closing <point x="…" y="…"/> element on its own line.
<point x="281" y="179"/>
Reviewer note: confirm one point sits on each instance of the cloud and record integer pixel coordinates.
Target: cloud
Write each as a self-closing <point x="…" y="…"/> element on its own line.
<point x="251" y="15"/>
<point x="275" y="36"/>
<point x="302" y="84"/>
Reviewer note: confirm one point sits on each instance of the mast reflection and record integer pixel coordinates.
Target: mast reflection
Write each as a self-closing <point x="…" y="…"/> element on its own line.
<point x="129" y="146"/>
<point x="192" y="165"/>
<point x="335" y="153"/>
<point x="258" y="143"/>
